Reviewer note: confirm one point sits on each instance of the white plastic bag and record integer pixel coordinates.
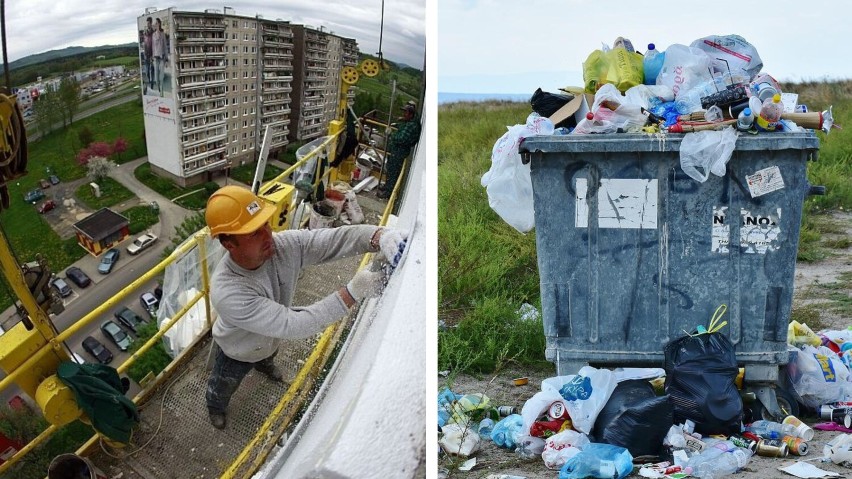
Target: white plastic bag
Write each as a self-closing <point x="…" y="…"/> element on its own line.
<point x="560" y="447"/>
<point x="684" y="68"/>
<point x="584" y="394"/>
<point x="705" y="152"/>
<point x="459" y="440"/>
<point x="353" y="209"/>
<point x="819" y="377"/>
<point x="537" y="405"/>
<point x="508" y="182"/>
<point x="645" y="95"/>
<point x="732" y="52"/>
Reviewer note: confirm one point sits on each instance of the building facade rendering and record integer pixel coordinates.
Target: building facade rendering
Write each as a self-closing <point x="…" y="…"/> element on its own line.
<point x="213" y="81"/>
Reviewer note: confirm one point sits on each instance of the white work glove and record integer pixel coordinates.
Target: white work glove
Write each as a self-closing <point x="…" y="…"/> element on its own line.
<point x="366" y="284"/>
<point x="392" y="244"/>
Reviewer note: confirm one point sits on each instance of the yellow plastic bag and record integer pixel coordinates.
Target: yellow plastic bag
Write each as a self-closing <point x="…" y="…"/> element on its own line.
<point x="799" y="334"/>
<point x="617" y="66"/>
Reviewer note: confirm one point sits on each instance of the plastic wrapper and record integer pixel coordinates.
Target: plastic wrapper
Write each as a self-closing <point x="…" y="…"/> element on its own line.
<point x="730" y="52"/>
<point x="508" y="431"/>
<point x="705" y="152"/>
<point x="684" y="68"/>
<point x="616" y="66"/>
<point x="459" y="440"/>
<point x="612" y="113"/>
<point x="508" y="182"/>
<point x="634" y="418"/>
<point x="647" y="96"/>
<point x="561" y="447"/>
<point x="700" y="378"/>
<point x="819" y="376"/>
<point x="603" y="461"/>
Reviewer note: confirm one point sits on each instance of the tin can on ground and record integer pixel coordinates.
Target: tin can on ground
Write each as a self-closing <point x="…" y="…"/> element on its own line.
<point x="796" y="445"/>
<point x="836" y="413"/>
<point x="802" y="430"/>
<point x="504" y="411"/>
<point x="744" y="442"/>
<point x="557" y="411"/>
<point x="772" y="448"/>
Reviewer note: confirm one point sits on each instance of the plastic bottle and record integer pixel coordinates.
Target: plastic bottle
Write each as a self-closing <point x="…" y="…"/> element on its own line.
<point x="766" y="428"/>
<point x="745" y="119"/>
<point x="652" y="64"/>
<point x="485" y="427"/>
<point x="722" y="465"/>
<point x="770" y="114"/>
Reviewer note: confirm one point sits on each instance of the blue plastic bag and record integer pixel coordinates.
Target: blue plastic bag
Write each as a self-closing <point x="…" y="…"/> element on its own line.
<point x="602" y="461"/>
<point x="445" y="401"/>
<point x="507" y="431"/>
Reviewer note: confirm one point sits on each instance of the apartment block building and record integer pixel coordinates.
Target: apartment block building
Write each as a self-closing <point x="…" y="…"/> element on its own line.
<point x="213" y="81"/>
<point x="319" y="58"/>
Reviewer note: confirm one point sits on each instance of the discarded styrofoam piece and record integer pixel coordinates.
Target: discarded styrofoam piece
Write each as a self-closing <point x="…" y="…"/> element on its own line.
<point x="367" y="184"/>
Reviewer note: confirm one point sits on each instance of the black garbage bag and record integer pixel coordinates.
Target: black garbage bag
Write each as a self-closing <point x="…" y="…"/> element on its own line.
<point x="546" y="104"/>
<point x="634" y="418"/>
<point x="701" y="370"/>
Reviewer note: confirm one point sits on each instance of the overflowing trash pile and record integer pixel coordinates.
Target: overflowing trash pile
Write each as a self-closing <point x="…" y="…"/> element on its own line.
<point x="713" y="90"/>
<point x="686" y="419"/>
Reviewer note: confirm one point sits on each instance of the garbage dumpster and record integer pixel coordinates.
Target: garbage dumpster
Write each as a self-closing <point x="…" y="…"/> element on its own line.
<point x="632" y="252"/>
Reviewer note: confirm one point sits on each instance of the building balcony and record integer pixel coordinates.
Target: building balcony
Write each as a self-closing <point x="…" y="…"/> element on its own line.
<point x="197" y="40"/>
<point x="276" y="89"/>
<point x="211" y="152"/>
<point x="200" y="56"/>
<point x="201" y="84"/>
<point x="212" y="164"/>
<point x="210" y="127"/>
<point x="182" y="25"/>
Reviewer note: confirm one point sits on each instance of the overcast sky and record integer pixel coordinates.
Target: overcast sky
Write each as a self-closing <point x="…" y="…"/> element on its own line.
<point x="36" y="26"/>
<point x="507" y="46"/>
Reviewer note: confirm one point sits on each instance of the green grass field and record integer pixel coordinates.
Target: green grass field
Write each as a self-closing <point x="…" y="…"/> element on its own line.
<point x="487" y="270"/>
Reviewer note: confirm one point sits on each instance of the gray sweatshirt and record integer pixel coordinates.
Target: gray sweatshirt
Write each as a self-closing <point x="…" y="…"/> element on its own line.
<point x="254" y="307"/>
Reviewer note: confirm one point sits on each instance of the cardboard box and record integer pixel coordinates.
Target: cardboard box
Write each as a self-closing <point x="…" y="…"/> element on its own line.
<point x="578" y="107"/>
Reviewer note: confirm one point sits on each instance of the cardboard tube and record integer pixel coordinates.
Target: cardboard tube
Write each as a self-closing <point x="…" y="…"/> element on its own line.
<point x="812" y="119"/>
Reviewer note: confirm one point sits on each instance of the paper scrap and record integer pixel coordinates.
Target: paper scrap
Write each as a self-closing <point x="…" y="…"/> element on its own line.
<point x="468" y="465"/>
<point x="807" y="470"/>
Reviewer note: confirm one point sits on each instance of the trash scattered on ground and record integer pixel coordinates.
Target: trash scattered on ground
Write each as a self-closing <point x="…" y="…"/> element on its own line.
<point x="806" y="471"/>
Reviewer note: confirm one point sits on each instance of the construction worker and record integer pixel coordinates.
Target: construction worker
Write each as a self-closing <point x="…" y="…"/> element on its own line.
<point x="253" y="285"/>
<point x="399" y="146"/>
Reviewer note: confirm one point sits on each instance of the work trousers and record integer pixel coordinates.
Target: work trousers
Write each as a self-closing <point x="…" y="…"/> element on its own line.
<point x="227" y="375"/>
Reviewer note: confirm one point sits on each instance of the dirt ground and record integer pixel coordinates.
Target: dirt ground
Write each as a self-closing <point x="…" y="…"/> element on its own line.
<point x="499" y="387"/>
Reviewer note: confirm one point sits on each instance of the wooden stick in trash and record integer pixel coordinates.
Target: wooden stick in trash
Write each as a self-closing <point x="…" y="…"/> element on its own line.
<point x="679" y="128"/>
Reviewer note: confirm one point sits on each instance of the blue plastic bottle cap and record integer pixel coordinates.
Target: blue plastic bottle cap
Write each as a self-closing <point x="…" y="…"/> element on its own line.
<point x="651" y="46"/>
<point x="747" y="112"/>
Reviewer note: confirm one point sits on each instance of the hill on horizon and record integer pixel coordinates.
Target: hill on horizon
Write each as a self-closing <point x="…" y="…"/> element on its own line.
<point x="63" y="53"/>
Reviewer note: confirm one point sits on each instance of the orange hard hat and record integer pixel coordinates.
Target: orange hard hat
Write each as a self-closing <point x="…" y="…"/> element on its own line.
<point x="236" y="210"/>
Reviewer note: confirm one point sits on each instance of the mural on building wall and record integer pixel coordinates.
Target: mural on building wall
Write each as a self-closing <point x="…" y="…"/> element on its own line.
<point x="155" y="57"/>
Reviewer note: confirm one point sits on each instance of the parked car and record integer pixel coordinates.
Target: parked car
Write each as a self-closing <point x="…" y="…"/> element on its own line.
<point x="116" y="334"/>
<point x="44" y="184"/>
<point x="46" y="206"/>
<point x="61" y="287"/>
<point x="77" y="275"/>
<point x="54" y="180"/>
<point x="128" y="318"/>
<point x="98" y="350"/>
<point x="150" y="303"/>
<point x="142" y="242"/>
<point x="33" y="196"/>
<point x="108" y="261"/>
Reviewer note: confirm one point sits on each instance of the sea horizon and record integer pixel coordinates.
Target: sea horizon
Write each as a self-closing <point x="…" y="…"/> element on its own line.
<point x="452" y="97"/>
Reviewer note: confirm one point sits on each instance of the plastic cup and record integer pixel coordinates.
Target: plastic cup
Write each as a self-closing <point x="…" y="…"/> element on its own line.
<point x="802" y="430"/>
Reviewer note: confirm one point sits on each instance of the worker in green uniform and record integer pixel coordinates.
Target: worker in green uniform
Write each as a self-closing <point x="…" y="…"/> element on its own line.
<point x="399" y="146"/>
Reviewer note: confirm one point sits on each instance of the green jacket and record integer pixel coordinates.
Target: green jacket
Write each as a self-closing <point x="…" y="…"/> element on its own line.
<point x="100" y="394"/>
<point x="404" y="138"/>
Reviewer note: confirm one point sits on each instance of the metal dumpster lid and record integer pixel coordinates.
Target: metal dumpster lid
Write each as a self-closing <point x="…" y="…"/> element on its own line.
<point x="639" y="142"/>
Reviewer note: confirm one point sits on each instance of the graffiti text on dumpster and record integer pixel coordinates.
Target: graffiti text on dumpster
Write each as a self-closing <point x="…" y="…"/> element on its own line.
<point x="759" y="233"/>
<point x="764" y="181"/>
<point x="629" y="204"/>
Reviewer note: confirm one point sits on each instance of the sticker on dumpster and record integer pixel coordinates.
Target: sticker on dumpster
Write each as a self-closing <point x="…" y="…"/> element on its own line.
<point x="624" y="204"/>
<point x="759" y="233"/>
<point x="765" y="181"/>
<point x="721" y="234"/>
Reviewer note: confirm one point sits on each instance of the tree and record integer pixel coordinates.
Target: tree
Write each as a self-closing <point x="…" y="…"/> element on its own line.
<point x="95" y="149"/>
<point x="98" y="168"/>
<point x="48" y="110"/>
<point x="85" y="135"/>
<point x="119" y="146"/>
<point x="69" y="97"/>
